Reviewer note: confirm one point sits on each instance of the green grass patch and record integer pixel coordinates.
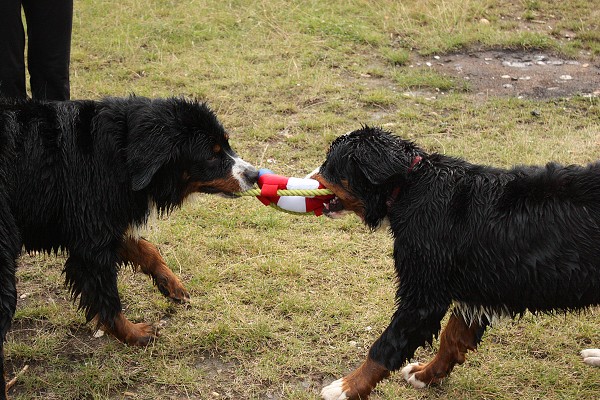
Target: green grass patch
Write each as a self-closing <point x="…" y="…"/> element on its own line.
<point x="399" y="57"/>
<point x="427" y="79"/>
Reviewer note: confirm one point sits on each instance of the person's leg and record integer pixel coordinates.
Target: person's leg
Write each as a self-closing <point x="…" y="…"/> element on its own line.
<point x="12" y="50"/>
<point x="49" y="25"/>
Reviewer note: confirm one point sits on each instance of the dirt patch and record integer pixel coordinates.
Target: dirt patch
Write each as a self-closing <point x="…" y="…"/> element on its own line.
<point x="519" y="73"/>
<point x="220" y="372"/>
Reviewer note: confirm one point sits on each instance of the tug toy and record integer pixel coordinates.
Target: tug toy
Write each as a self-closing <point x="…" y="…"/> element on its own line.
<point x="292" y="195"/>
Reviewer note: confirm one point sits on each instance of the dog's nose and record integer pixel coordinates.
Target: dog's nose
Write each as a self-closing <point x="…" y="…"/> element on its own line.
<point x="251" y="174"/>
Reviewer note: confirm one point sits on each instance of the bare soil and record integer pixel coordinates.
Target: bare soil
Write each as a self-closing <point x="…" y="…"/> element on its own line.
<point x="534" y="75"/>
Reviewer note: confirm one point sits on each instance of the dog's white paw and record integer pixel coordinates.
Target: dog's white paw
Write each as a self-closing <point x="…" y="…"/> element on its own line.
<point x="591" y="357"/>
<point x="334" y="391"/>
<point x="590" y="353"/>
<point x="409" y="376"/>
<point x="407" y="371"/>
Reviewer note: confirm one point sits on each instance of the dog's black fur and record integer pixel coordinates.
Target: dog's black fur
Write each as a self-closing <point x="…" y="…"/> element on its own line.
<point x="496" y="241"/>
<point x="75" y="176"/>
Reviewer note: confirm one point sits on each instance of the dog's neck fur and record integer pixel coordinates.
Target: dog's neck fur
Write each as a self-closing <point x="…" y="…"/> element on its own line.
<point x="396" y="191"/>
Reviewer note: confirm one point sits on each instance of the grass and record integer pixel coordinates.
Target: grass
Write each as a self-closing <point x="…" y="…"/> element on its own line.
<point x="282" y="304"/>
<point x="429" y="79"/>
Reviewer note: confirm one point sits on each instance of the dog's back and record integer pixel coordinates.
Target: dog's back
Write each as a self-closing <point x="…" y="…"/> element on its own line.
<point x="58" y="168"/>
<point x="508" y="240"/>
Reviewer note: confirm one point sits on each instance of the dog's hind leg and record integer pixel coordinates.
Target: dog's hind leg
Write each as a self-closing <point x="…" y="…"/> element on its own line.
<point x="144" y="254"/>
<point x="410" y="328"/>
<point x="456" y="339"/>
<point x="95" y="283"/>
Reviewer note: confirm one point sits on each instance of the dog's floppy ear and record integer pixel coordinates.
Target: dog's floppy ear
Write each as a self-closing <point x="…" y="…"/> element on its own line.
<point x="380" y="170"/>
<point x="378" y="173"/>
<point x="149" y="147"/>
<point x="381" y="164"/>
<point x="379" y="155"/>
<point x="144" y="160"/>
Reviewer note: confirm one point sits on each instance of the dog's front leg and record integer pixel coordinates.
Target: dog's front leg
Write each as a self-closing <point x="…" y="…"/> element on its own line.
<point x="144" y="254"/>
<point x="94" y="280"/>
<point x="409" y="329"/>
<point x="358" y="384"/>
<point x="456" y="339"/>
<point x="9" y="250"/>
<point x="139" y="334"/>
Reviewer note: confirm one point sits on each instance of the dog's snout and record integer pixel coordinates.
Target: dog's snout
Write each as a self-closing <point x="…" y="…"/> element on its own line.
<point x="251" y="174"/>
<point x="245" y="173"/>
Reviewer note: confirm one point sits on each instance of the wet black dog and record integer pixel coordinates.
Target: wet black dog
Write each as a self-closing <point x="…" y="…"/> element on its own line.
<point x="82" y="176"/>
<point x="492" y="242"/>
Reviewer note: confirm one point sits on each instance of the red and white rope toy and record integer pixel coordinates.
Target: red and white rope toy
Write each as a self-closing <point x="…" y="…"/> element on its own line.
<point x="293" y="195"/>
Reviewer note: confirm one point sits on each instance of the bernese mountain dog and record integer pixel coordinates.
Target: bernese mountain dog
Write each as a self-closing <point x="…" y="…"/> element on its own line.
<point x="81" y="177"/>
<point x="485" y="242"/>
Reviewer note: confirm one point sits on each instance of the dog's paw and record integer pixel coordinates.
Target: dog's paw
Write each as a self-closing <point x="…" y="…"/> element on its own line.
<point x="171" y="287"/>
<point x="142" y="334"/>
<point x="408" y="373"/>
<point x="180" y="295"/>
<point x="591" y="357"/>
<point x="334" y="391"/>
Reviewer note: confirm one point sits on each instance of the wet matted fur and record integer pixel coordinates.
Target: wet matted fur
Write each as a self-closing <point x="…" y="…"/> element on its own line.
<point x="82" y="176"/>
<point x="486" y="242"/>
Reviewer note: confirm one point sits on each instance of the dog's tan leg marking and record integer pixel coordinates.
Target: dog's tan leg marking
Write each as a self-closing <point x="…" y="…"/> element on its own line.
<point x="358" y="384"/>
<point x="455" y="340"/>
<point x="133" y="334"/>
<point x="145" y="255"/>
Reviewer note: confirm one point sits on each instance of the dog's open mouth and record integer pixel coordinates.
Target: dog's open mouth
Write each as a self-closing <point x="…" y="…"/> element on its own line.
<point x="334" y="208"/>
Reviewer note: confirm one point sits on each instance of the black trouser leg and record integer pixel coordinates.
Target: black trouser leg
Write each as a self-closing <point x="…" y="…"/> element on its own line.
<point x="49" y="25"/>
<point x="12" y="49"/>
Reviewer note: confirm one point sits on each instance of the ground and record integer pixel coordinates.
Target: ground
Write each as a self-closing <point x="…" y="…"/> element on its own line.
<point x="535" y="75"/>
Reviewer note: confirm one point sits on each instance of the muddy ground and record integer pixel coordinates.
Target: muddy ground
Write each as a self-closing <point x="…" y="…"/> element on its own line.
<point x="534" y="75"/>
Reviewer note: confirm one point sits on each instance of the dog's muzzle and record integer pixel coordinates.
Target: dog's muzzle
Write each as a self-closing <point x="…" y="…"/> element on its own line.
<point x="334" y="208"/>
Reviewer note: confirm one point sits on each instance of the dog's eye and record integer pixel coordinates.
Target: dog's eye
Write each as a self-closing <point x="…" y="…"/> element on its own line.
<point x="216" y="152"/>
